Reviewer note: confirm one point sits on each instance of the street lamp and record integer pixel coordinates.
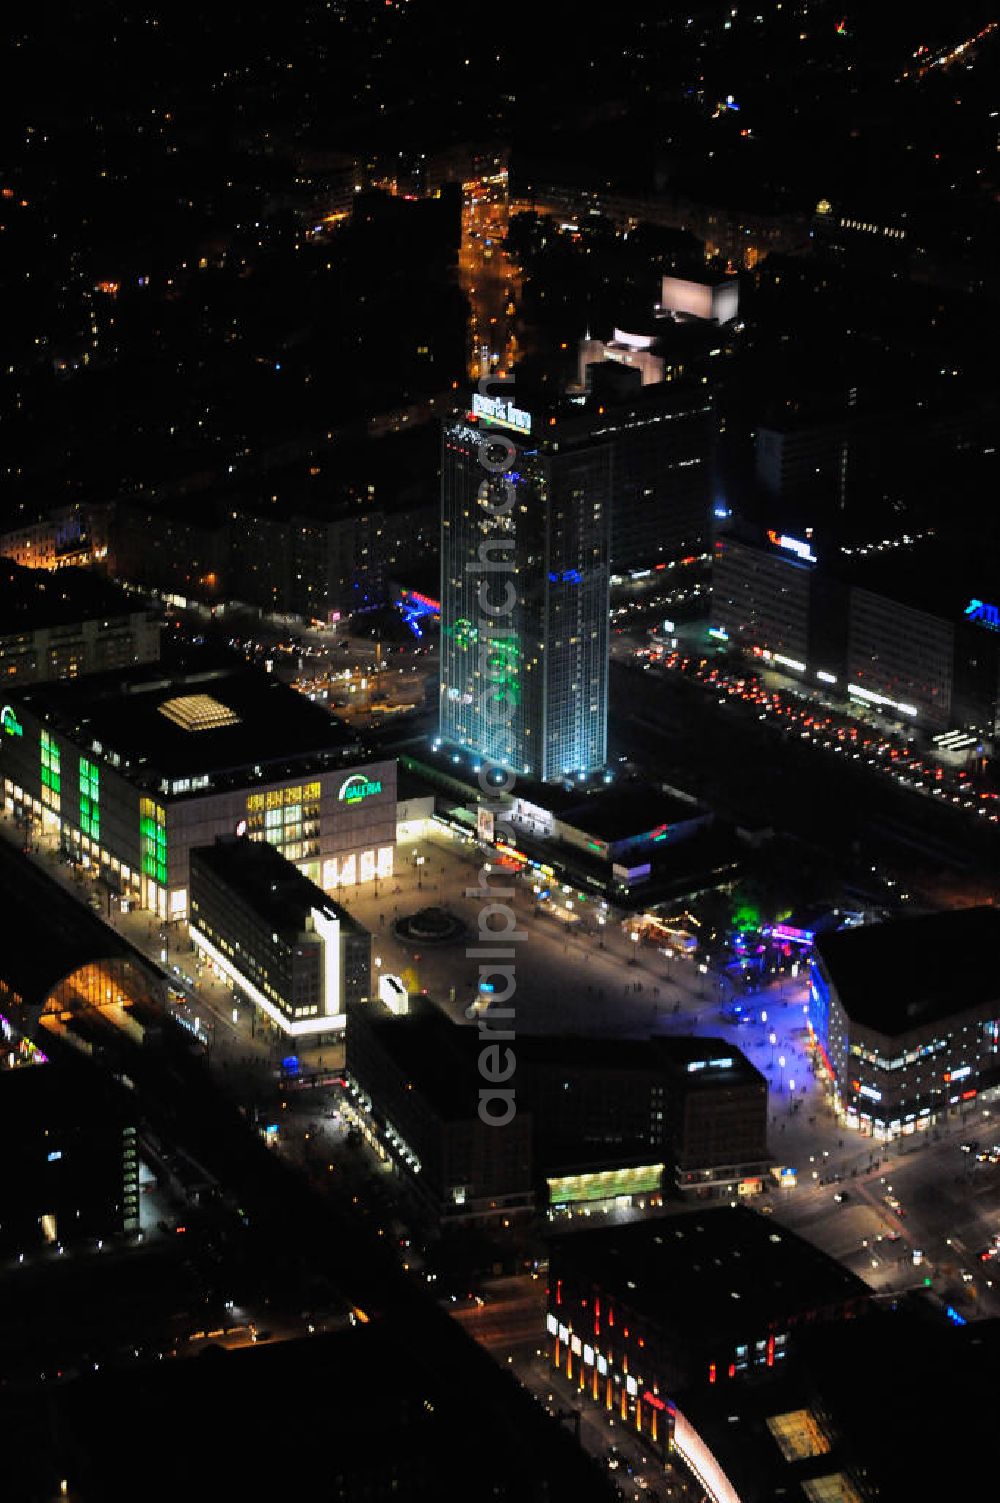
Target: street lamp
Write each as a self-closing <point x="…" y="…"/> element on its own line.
<point x="420" y="862"/>
<point x="781" y="1067"/>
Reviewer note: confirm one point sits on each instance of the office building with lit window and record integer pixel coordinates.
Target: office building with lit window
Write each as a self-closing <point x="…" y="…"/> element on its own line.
<point x="895" y="627"/>
<point x="644" y="1314"/>
<point x="295" y="954"/>
<point x="414" y="1088"/>
<point x="761" y="597"/>
<point x="132" y="771"/>
<point x="662" y="440"/>
<point x="906" y="1018"/>
<point x="686" y="1116"/>
<point x="63" y="624"/>
<point x="527" y="686"/>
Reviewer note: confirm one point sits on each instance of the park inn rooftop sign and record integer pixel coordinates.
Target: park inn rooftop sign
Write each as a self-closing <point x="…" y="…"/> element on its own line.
<point x="499" y="410"/>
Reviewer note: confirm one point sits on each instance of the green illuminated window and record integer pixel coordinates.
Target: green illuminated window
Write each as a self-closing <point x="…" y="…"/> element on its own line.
<point x="51" y="772"/>
<point x="153" y="840"/>
<point x="90" y="798"/>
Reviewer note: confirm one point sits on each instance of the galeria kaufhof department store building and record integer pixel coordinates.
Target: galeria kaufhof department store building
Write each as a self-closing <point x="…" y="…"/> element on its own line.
<point x="132" y="772"/>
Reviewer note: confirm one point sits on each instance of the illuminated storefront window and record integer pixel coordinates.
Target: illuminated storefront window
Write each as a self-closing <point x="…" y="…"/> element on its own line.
<point x="346" y="871"/>
<point x="153" y="840"/>
<point x="51" y="772"/>
<point x="605" y="1184"/>
<point x="287" y="818"/>
<point x="90" y="798"/>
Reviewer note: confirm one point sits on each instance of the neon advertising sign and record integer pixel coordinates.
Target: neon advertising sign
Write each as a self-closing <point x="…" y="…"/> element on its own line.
<point x="978" y="610"/>
<point x="799" y="546"/>
<point x="357" y="788"/>
<point x="789" y="934"/>
<point x="499" y="410"/>
<point x="10" y="722"/>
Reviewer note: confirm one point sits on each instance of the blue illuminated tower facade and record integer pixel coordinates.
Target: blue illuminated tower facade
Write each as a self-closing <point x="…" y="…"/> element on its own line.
<point x="527" y="687"/>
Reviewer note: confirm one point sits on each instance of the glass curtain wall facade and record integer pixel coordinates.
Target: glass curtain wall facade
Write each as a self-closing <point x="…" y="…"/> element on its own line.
<point x="542" y="527"/>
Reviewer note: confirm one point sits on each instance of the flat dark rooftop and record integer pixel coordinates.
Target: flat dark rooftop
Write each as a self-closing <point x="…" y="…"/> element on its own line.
<point x="910" y="972"/>
<point x="67" y="1094"/>
<point x="848" y="1365"/>
<point x="440" y="1057"/>
<point x="620" y="813"/>
<point x="703" y="1273"/>
<point x="934" y="575"/>
<point x="270" y="884"/>
<point x="443" y="1406"/>
<point x="268" y="723"/>
<point x="35" y="598"/>
<point x="669" y="1053"/>
<point x="701" y="1061"/>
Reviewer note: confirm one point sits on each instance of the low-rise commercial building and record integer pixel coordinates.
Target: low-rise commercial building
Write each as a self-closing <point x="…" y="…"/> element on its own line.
<point x="133" y="770"/>
<point x="906" y="1017"/>
<point x="297" y="955"/>
<point x="641" y="1313"/>
<point x="553" y="834"/>
<point x="619" y="840"/>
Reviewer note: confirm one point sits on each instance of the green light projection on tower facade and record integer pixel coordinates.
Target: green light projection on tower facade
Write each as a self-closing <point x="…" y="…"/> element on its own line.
<point x="502" y="665"/>
<point x="464" y="633"/>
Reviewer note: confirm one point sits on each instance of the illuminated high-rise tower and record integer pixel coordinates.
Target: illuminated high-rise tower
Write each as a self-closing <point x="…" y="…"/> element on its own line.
<point x="525" y="519"/>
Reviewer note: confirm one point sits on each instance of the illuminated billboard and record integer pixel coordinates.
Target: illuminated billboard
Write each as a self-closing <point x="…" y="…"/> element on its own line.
<point x="700" y="299"/>
<point x="499" y="410"/>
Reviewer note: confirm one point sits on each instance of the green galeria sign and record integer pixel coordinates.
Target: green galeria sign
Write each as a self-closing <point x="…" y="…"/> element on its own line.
<point x="10" y="722"/>
<point x="356" y="788"/>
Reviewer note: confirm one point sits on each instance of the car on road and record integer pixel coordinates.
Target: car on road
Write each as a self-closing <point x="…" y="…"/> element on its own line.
<point x="841" y="1196"/>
